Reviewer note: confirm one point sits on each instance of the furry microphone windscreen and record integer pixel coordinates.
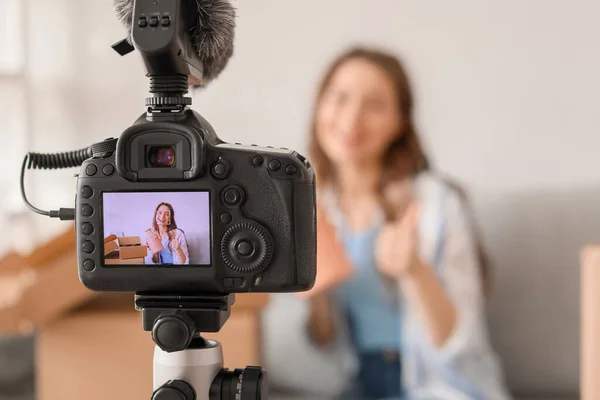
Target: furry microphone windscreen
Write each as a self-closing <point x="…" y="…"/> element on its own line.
<point x="212" y="33"/>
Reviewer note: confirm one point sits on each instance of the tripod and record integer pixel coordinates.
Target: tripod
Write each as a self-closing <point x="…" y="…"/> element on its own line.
<point x="186" y="365"/>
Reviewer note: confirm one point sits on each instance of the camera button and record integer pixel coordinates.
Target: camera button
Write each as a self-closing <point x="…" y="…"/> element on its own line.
<point x="225" y="218"/>
<point x="87" y="210"/>
<point x="274" y="165"/>
<point x="245" y="248"/>
<point x="91" y="170"/>
<point x="232" y="197"/>
<point x="154" y="21"/>
<point x="165" y="21"/>
<point x="87" y="228"/>
<point x="257" y="161"/>
<point x="142" y="22"/>
<point x="87" y="192"/>
<point x="89" y="265"/>
<point x="221" y="169"/>
<point x="88" y="247"/>
<point x="290" y="169"/>
<point x="108" y="169"/>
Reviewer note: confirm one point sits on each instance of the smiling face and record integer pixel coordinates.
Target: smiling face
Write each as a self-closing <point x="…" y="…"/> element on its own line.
<point x="358" y="115"/>
<point x="163" y="215"/>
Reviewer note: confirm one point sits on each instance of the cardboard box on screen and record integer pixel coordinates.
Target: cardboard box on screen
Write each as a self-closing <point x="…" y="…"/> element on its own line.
<point x="128" y="248"/>
<point x="113" y="259"/>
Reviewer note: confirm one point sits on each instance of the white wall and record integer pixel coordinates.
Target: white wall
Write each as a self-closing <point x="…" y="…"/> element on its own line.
<point x="507" y="103"/>
<point x="510" y="87"/>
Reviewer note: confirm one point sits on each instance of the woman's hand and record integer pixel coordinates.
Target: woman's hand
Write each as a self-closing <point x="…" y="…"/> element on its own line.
<point x="333" y="267"/>
<point x="174" y="245"/>
<point x="176" y="248"/>
<point x="151" y="235"/>
<point x="396" y="247"/>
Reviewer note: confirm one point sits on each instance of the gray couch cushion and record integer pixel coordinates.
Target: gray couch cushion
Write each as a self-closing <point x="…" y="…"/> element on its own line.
<point x="534" y="240"/>
<point x="293" y="363"/>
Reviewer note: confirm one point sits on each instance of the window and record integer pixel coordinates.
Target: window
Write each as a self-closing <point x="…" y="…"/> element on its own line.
<point x="13" y="100"/>
<point x="12" y="41"/>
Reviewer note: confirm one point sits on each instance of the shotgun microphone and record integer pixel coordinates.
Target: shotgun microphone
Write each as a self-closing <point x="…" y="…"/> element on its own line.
<point x="208" y="25"/>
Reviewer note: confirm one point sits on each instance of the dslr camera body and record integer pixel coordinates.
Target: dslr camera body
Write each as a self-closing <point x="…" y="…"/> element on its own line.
<point x="169" y="208"/>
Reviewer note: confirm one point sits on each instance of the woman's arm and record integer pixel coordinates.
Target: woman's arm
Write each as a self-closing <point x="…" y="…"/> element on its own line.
<point x="333" y="267"/>
<point x="397" y="257"/>
<point x="321" y="326"/>
<point x="181" y="255"/>
<point x="181" y="248"/>
<point x="425" y="292"/>
<point x="151" y="258"/>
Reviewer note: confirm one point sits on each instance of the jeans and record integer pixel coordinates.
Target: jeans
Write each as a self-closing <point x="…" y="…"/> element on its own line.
<point x="379" y="377"/>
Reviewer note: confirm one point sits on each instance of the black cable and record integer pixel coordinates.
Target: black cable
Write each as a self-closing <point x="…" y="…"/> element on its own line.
<point x="27" y="203"/>
<point x="53" y="161"/>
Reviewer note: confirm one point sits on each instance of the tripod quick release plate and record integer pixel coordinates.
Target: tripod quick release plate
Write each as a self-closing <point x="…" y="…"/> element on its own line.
<point x="176" y="320"/>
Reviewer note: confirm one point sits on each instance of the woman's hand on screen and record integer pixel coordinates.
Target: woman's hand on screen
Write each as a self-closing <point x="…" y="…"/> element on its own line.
<point x="174" y="245"/>
<point x="150" y="235"/>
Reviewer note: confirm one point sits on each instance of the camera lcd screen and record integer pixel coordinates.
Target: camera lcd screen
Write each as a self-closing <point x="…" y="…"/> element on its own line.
<point x="156" y="228"/>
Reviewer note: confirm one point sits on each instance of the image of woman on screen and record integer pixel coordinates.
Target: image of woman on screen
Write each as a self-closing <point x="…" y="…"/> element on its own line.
<point x="166" y="243"/>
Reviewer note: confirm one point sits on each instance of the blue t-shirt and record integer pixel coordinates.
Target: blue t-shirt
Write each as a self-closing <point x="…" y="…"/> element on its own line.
<point x="374" y="318"/>
<point x="166" y="255"/>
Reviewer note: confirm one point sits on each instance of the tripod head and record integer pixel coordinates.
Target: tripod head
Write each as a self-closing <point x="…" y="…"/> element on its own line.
<point x="192" y="363"/>
<point x="175" y="321"/>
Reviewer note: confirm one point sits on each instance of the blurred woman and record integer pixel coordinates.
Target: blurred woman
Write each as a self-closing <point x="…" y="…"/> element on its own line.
<point x="167" y="243"/>
<point x="398" y="257"/>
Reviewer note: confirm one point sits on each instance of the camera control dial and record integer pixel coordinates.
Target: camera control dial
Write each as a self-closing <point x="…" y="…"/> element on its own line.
<point x="247" y="247"/>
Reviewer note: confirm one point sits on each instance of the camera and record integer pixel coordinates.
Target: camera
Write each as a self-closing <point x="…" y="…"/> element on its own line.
<point x="170" y="208"/>
<point x="243" y="216"/>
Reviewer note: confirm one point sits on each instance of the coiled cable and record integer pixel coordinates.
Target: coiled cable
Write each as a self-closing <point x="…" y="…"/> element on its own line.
<point x="68" y="159"/>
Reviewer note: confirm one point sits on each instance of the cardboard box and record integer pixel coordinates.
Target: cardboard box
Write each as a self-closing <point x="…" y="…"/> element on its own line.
<point x="92" y="346"/>
<point x="129" y="241"/>
<point x="131" y="247"/>
<point x="128" y="252"/>
<point x="114" y="259"/>
<point x="126" y="248"/>
<point x="111" y="246"/>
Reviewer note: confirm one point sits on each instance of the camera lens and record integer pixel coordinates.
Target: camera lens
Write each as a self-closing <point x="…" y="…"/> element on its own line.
<point x="162" y="156"/>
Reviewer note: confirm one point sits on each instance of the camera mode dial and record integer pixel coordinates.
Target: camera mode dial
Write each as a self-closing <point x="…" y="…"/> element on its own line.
<point x="247" y="247"/>
<point x="105" y="147"/>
